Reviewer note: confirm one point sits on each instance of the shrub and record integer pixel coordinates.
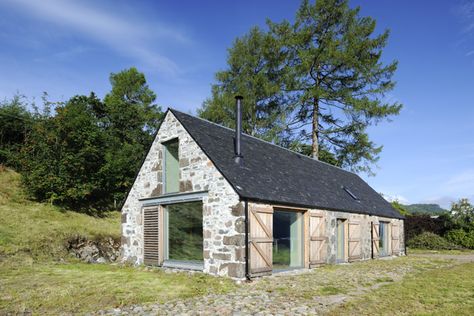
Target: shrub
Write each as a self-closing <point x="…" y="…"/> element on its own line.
<point x="427" y="240"/>
<point x="461" y="237"/>
<point x="417" y="224"/>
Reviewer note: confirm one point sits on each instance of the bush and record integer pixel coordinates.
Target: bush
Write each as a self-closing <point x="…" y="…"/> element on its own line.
<point x="461" y="237"/>
<point x="419" y="223"/>
<point x="427" y="240"/>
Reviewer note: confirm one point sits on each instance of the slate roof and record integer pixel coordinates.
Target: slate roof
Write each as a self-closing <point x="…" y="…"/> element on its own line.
<point x="276" y="175"/>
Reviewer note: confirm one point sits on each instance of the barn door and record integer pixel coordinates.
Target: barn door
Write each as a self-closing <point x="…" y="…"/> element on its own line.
<point x="318" y="240"/>
<point x="260" y="240"/>
<point x="375" y="240"/>
<point x="355" y="252"/>
<point x="151" y="236"/>
<point x="395" y="239"/>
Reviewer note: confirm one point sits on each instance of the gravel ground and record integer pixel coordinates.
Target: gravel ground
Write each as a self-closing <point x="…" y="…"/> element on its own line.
<point x="303" y="292"/>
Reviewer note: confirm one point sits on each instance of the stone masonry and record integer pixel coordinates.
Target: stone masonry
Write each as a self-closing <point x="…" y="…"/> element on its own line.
<point x="223" y="215"/>
<point x="223" y="212"/>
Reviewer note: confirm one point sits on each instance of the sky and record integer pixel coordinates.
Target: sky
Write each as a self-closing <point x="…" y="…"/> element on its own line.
<point x="67" y="48"/>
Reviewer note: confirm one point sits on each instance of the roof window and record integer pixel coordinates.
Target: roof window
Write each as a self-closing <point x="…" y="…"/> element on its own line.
<point x="351" y="194"/>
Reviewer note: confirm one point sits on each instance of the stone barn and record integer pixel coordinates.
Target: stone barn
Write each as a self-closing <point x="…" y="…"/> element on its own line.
<point x="210" y="198"/>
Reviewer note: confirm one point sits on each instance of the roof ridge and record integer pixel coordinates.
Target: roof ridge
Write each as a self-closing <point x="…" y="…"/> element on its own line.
<point x="264" y="141"/>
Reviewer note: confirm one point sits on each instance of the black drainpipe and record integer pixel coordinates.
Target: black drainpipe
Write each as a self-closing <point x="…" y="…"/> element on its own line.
<point x="247" y="272"/>
<point x="405" y="237"/>
<point x="372" y="239"/>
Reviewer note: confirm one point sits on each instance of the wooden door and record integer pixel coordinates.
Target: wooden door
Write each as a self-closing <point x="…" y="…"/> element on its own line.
<point x="395" y="239"/>
<point x="375" y="240"/>
<point x="355" y="247"/>
<point x="317" y="240"/>
<point x="260" y="240"/>
<point x="151" y="235"/>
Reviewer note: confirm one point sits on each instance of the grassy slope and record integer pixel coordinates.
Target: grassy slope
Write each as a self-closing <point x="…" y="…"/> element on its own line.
<point x="40" y="230"/>
<point x="32" y="237"/>
<point x="445" y="291"/>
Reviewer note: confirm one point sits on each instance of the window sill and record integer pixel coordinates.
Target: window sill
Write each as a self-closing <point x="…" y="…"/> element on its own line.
<point x="184" y="265"/>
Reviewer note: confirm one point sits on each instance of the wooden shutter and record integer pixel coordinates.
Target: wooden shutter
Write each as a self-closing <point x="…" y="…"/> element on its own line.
<point x="261" y="240"/>
<point x="395" y="239"/>
<point x="375" y="240"/>
<point x="317" y="240"/>
<point x="151" y="236"/>
<point x="355" y="252"/>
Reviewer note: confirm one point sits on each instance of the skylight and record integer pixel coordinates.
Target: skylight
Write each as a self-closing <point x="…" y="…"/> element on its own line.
<point x="351" y="194"/>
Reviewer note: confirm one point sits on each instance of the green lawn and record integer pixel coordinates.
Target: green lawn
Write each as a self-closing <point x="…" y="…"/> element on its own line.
<point x="78" y="287"/>
<point x="40" y="230"/>
<point x="445" y="291"/>
<point x="37" y="275"/>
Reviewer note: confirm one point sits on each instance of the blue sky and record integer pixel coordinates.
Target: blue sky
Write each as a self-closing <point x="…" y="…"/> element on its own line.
<point x="71" y="47"/>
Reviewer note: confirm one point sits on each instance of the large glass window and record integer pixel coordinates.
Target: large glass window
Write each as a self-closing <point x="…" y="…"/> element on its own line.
<point x="171" y="166"/>
<point x="383" y="239"/>
<point x="287" y="240"/>
<point x="184" y="232"/>
<point x="341" y="241"/>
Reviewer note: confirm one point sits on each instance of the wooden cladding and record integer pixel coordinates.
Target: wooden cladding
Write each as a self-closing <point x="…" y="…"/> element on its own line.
<point x="354" y="241"/>
<point x="260" y="240"/>
<point x="375" y="240"/>
<point x="151" y="235"/>
<point x="317" y="239"/>
<point x="395" y="239"/>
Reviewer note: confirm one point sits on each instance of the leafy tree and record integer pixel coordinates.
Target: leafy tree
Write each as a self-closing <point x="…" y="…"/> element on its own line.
<point x="86" y="154"/>
<point x="400" y="208"/>
<point x="324" y="76"/>
<point x="131" y="118"/>
<point x="462" y="213"/>
<point x="15" y="123"/>
<point x="255" y="73"/>
<point x="63" y="155"/>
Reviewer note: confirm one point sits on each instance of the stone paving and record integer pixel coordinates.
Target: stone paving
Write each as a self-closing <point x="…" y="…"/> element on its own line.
<point x="300" y="292"/>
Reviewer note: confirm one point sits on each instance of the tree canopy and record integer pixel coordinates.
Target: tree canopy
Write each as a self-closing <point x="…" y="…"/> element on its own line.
<point x="318" y="81"/>
<point x="85" y="155"/>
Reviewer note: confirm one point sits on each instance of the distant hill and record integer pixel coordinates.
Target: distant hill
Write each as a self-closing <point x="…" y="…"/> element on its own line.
<point x="432" y="209"/>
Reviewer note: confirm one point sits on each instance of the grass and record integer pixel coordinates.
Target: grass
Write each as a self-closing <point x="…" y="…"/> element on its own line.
<point x="342" y="279"/>
<point x="37" y="275"/>
<point x="75" y="288"/>
<point x="40" y="230"/>
<point x="444" y="252"/>
<point x="445" y="291"/>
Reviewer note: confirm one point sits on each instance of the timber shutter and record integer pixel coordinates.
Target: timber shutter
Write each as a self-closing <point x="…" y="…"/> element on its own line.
<point x="375" y="240"/>
<point x="355" y="252"/>
<point x="317" y="240"/>
<point x="151" y="236"/>
<point x="395" y="239"/>
<point x="260" y="240"/>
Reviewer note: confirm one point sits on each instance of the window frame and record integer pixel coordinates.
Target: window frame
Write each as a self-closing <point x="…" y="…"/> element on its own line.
<point x="165" y="151"/>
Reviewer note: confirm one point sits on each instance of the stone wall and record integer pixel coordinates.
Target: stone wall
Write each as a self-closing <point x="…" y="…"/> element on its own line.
<point x="223" y="215"/>
<point x="331" y="217"/>
<point x="365" y="222"/>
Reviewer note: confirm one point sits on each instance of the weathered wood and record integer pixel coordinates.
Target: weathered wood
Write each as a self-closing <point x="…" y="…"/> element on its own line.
<point x="318" y="239"/>
<point x="375" y="240"/>
<point x="355" y="249"/>
<point x="395" y="239"/>
<point x="260" y="240"/>
<point x="151" y="236"/>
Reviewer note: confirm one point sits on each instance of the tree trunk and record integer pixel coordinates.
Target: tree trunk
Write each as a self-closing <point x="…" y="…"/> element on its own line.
<point x="315" y="132"/>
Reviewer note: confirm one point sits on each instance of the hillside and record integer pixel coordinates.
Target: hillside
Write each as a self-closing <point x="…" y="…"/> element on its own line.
<point x="38" y="230"/>
<point x="432" y="209"/>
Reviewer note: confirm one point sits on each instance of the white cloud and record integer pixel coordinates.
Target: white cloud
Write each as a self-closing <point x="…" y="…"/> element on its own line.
<point x="395" y="197"/>
<point x="120" y="32"/>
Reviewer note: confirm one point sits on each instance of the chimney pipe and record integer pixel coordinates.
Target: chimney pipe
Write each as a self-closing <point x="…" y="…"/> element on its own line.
<point x="238" y="130"/>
